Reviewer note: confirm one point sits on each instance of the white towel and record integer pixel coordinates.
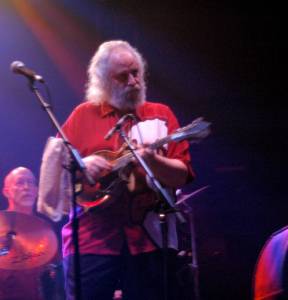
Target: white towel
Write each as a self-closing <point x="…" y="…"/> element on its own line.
<point x="55" y="186"/>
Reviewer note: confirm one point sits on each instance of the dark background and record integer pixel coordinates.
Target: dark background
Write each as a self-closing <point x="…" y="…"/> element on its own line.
<point x="225" y="61"/>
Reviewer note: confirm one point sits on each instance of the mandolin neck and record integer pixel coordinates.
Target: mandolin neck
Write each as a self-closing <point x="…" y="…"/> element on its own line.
<point x="126" y="158"/>
<point x="160" y="143"/>
<point x="195" y="131"/>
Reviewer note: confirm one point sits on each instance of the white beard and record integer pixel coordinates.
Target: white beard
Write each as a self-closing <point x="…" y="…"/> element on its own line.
<point x="126" y="100"/>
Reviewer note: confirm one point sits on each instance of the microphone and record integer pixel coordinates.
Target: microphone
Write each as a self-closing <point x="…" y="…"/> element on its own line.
<point x="18" y="67"/>
<point x="118" y="125"/>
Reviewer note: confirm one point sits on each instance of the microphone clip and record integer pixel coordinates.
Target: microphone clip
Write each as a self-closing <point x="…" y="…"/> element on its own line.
<point x="118" y="125"/>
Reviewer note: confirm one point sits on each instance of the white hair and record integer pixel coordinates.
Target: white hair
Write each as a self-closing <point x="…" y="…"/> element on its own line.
<point x="96" y="86"/>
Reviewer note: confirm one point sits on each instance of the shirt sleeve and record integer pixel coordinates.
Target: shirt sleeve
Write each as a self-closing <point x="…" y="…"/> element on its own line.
<point x="179" y="150"/>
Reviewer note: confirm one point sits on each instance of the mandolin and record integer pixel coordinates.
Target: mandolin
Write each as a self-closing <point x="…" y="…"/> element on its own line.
<point x="121" y="160"/>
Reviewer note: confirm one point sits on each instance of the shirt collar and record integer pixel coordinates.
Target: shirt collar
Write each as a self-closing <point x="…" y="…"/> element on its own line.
<point x="107" y="109"/>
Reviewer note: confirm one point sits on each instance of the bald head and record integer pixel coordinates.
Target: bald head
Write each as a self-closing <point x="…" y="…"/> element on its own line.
<point x="20" y="189"/>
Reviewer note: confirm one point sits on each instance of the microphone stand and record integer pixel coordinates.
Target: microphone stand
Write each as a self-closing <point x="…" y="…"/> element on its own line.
<point x="76" y="165"/>
<point x="186" y="206"/>
<point x="194" y="267"/>
<point x="168" y="201"/>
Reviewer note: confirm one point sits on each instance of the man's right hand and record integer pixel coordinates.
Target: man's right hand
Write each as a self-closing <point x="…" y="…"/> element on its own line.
<point x="97" y="166"/>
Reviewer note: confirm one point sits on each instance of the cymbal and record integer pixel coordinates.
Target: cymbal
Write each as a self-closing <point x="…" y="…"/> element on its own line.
<point x="26" y="241"/>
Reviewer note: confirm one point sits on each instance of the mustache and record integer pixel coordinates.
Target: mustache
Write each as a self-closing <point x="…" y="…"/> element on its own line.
<point x="132" y="89"/>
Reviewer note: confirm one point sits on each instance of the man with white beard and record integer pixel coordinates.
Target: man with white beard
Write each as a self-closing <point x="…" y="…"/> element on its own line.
<point x="119" y="234"/>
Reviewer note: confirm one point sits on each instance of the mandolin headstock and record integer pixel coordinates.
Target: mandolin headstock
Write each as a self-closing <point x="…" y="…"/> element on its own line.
<point x="197" y="130"/>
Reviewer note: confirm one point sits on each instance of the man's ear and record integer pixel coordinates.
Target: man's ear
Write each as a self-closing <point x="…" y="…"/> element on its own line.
<point x="6" y="192"/>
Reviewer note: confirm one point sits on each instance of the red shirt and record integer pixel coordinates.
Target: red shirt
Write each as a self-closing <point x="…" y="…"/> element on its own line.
<point x="104" y="231"/>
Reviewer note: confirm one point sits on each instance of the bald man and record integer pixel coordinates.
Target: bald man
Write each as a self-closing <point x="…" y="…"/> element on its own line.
<point x="20" y="189"/>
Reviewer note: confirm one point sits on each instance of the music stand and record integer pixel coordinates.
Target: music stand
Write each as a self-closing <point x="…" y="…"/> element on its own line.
<point x="185" y="204"/>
